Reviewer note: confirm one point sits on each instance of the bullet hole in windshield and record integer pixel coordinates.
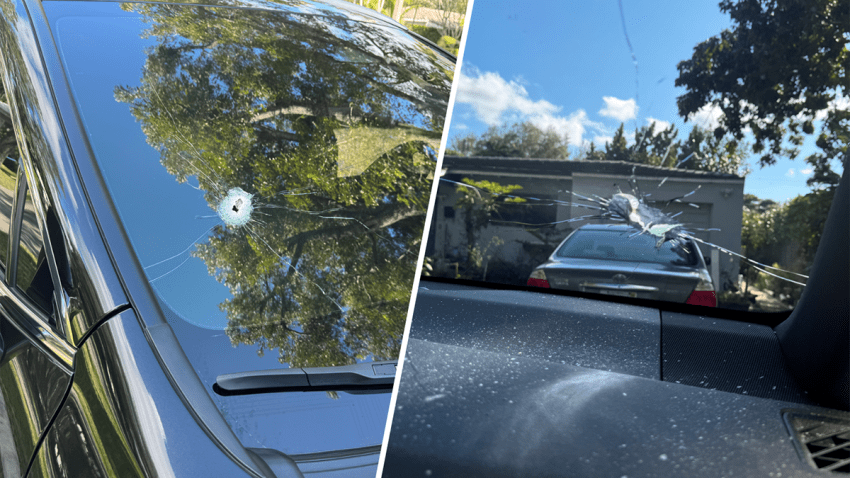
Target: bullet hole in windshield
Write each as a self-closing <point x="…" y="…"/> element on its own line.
<point x="236" y="208"/>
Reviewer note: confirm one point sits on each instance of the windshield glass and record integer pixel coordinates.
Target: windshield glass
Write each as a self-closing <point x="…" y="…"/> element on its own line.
<point x="627" y="245"/>
<point x="272" y="169"/>
<point x="691" y="123"/>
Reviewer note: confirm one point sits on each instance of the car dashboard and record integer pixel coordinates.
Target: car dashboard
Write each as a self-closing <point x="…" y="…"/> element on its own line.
<point x="522" y="383"/>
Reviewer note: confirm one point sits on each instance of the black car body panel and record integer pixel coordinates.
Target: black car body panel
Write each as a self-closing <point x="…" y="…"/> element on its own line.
<point x="119" y="382"/>
<point x="33" y="382"/>
<point x="90" y="287"/>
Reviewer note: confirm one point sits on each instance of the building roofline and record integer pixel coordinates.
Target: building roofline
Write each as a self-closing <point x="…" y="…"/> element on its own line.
<point x="562" y="167"/>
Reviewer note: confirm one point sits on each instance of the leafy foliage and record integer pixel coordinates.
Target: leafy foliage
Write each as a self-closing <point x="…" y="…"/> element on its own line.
<point x="520" y="140"/>
<point x="428" y="32"/>
<point x="784" y="235"/>
<point x="702" y="151"/>
<point x="781" y="67"/>
<point x="313" y="125"/>
<point x="478" y="207"/>
<point x="8" y="144"/>
<point x="780" y="70"/>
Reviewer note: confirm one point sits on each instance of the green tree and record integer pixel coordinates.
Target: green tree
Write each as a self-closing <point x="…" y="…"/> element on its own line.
<point x="593" y="154"/>
<point x="8" y="144"/>
<point x="784" y="235"/>
<point x="617" y="149"/>
<point x="760" y="206"/>
<point x="805" y="218"/>
<point x="658" y="149"/>
<point x="519" y="140"/>
<point x="779" y="70"/>
<point x="448" y="11"/>
<point x="463" y="145"/>
<point x="243" y="101"/>
<point x="774" y="72"/>
<point x="701" y="151"/>
<point x="479" y="204"/>
<point x="760" y="236"/>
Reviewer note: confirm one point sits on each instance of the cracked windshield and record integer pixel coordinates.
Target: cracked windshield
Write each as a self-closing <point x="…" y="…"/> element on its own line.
<point x="272" y="170"/>
<point x="685" y="152"/>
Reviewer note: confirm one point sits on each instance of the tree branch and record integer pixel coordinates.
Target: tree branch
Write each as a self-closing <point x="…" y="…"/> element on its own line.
<point x="383" y="220"/>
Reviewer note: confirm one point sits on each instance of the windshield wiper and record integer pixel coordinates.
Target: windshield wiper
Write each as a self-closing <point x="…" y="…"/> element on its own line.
<point x="361" y="378"/>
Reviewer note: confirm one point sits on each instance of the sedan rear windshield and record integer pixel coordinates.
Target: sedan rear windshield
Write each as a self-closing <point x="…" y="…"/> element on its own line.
<point x="626" y="246"/>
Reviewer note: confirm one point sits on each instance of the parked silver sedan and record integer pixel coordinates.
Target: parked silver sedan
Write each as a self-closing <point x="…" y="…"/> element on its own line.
<point x="619" y="260"/>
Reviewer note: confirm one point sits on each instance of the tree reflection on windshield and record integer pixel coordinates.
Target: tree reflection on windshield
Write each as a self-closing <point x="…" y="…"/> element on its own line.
<point x="314" y="148"/>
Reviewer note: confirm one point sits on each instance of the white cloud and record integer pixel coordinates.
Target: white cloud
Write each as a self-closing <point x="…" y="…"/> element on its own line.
<point x="790" y="173"/>
<point x="492" y="97"/>
<point x="659" y="124"/>
<point x="601" y="140"/>
<point x="707" y="117"/>
<point x="840" y="103"/>
<point x="621" y="110"/>
<point x="807" y="171"/>
<point x="460" y="126"/>
<point x="574" y="125"/>
<point x="496" y="100"/>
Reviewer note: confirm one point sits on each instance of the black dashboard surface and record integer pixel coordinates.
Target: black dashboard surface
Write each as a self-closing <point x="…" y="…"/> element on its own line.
<point x="515" y="383"/>
<point x="569" y="330"/>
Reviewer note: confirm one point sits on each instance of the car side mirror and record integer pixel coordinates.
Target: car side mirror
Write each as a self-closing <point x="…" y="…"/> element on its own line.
<point x="707" y="260"/>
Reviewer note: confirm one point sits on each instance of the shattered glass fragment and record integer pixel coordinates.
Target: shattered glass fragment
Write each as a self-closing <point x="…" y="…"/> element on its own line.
<point x="236" y="208"/>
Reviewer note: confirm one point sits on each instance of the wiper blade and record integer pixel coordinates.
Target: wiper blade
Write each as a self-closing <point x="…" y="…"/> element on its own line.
<point x="361" y="378"/>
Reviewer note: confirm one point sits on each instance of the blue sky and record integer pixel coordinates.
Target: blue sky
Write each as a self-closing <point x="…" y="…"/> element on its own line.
<point x="567" y="65"/>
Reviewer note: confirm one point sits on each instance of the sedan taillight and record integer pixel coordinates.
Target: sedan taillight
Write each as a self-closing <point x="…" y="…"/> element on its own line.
<point x="704" y="293"/>
<point x="538" y="279"/>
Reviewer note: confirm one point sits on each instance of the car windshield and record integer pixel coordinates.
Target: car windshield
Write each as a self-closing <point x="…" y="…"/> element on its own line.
<point x="272" y="168"/>
<point x="628" y="245"/>
<point x="691" y="123"/>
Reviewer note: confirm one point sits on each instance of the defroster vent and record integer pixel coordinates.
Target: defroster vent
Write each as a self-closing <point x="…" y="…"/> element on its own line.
<point x="822" y="439"/>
